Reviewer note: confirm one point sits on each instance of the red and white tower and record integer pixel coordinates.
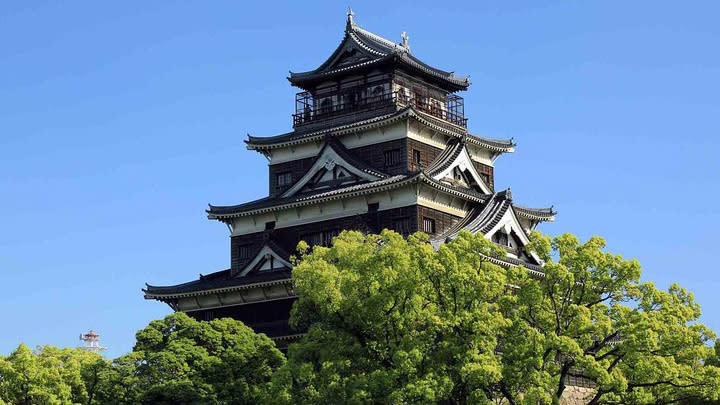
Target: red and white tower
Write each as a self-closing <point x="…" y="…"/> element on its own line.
<point x="91" y="342"/>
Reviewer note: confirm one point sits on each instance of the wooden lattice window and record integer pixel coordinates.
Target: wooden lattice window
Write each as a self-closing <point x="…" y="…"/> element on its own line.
<point x="244" y="251"/>
<point x="322" y="238"/>
<point x="283" y="179"/>
<point x="402" y="225"/>
<point x="392" y="157"/>
<point x="428" y="225"/>
<point x="416" y="156"/>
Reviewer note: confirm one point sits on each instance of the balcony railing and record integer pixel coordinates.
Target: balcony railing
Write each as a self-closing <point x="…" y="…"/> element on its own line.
<point x="353" y="100"/>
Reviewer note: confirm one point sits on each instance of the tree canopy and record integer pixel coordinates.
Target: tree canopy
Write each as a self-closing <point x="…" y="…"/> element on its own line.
<point x="49" y="376"/>
<point x="391" y="320"/>
<point x="176" y="360"/>
<point x="181" y="360"/>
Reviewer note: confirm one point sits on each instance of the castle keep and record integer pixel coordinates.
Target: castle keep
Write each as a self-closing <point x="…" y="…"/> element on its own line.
<point x="379" y="140"/>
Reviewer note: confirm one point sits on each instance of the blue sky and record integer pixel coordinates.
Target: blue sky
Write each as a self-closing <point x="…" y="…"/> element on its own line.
<point x="120" y="122"/>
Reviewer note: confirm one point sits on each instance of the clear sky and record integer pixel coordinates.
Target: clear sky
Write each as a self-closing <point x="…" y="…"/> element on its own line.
<point x="120" y="122"/>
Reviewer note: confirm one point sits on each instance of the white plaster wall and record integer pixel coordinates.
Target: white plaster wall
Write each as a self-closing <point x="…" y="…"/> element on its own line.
<point x="400" y="197"/>
<point x="391" y="132"/>
<point x="396" y="198"/>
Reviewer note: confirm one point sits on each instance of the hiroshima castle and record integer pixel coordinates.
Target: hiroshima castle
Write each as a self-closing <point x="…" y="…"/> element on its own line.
<point x="379" y="140"/>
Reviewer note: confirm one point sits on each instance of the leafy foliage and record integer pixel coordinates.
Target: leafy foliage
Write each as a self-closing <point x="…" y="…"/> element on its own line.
<point x="591" y="317"/>
<point x="176" y="360"/>
<point x="50" y="376"/>
<point x="181" y="360"/>
<point x="391" y="320"/>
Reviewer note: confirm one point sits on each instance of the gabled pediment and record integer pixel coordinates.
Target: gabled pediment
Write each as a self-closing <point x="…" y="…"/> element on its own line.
<point x="332" y="168"/>
<point x="348" y="52"/>
<point x="509" y="232"/>
<point x="456" y="167"/>
<point x="350" y="55"/>
<point x="267" y="259"/>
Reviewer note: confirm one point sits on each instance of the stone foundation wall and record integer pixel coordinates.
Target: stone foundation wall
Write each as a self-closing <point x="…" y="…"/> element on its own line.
<point x="577" y="395"/>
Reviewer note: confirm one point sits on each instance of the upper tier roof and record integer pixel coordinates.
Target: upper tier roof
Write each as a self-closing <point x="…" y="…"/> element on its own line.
<point x="263" y="143"/>
<point x="361" y="49"/>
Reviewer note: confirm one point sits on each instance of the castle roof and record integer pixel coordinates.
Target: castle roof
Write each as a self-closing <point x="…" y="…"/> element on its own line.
<point x="536" y="214"/>
<point x="269" y="204"/>
<point x="361" y="49"/>
<point x="227" y="280"/>
<point x="217" y="282"/>
<point x="484" y="218"/>
<point x="343" y="128"/>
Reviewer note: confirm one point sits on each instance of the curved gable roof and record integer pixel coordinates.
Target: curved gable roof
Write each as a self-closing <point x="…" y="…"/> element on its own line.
<point x="456" y="155"/>
<point x="360" y="48"/>
<point x="332" y="154"/>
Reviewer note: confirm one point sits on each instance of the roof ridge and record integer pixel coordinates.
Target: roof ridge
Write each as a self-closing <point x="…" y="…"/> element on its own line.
<point x="382" y="40"/>
<point x="446" y="157"/>
<point x="376" y="48"/>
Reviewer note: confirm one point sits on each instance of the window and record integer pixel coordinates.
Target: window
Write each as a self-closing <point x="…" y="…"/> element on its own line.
<point x="351" y="100"/>
<point x="326" y="106"/>
<point x="377" y="93"/>
<point x="435" y="108"/>
<point x="402" y="225"/>
<point x="373" y="207"/>
<point x="420" y="100"/>
<point x="485" y="177"/>
<point x="283" y="179"/>
<point x="428" y="225"/>
<point x="457" y="174"/>
<point x="501" y="238"/>
<point x="269" y="225"/>
<point x="244" y="251"/>
<point x="402" y="96"/>
<point x="392" y="157"/>
<point x="322" y="238"/>
<point x="416" y="157"/>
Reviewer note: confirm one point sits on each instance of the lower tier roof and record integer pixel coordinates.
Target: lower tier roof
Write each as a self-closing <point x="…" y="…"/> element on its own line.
<point x="214" y="283"/>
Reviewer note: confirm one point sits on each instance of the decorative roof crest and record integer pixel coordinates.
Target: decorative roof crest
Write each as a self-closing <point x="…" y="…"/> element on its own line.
<point x="405" y="41"/>
<point x="350" y="15"/>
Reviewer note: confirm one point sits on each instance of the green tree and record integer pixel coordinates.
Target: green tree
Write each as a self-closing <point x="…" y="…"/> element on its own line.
<point x="391" y="320"/>
<point x="50" y="376"/>
<point x="181" y="360"/>
<point x="591" y="317"/>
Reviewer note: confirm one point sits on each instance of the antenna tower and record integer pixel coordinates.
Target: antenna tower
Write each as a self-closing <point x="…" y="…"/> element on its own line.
<point x="91" y="342"/>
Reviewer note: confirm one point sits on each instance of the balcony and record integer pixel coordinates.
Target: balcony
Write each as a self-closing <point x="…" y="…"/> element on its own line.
<point x="364" y="99"/>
